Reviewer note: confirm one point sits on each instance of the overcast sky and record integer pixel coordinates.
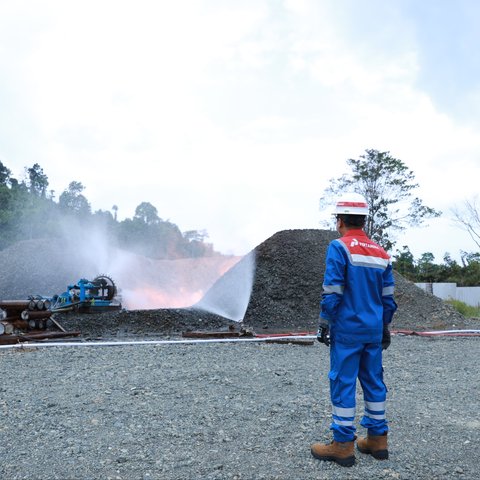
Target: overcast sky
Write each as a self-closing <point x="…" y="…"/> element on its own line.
<point x="232" y="115"/>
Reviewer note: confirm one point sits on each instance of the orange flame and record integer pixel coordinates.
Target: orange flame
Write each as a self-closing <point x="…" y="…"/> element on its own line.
<point x="188" y="281"/>
<point x="149" y="298"/>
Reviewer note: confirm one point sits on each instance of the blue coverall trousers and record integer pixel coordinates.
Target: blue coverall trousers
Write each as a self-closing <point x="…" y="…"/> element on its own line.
<point x="347" y="363"/>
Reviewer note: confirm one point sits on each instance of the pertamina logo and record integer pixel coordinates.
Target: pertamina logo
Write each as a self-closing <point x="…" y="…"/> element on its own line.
<point x="355" y="243"/>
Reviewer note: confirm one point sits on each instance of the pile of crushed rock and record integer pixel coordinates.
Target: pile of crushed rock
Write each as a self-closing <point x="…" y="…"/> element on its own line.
<point x="288" y="284"/>
<point x="285" y="294"/>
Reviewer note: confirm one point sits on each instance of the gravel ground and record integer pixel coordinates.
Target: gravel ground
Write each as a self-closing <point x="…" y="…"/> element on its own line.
<point x="226" y="411"/>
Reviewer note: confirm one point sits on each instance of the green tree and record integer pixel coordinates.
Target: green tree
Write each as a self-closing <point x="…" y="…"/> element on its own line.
<point x="37" y="181"/>
<point x="167" y="240"/>
<point x="103" y="217"/>
<point x="73" y="201"/>
<point x="147" y="213"/>
<point x="32" y="211"/>
<point x="195" y="245"/>
<point x="427" y="270"/>
<point x="404" y="263"/>
<point x="449" y="270"/>
<point x="195" y="235"/>
<point x="387" y="185"/>
<point x="7" y="215"/>
<point x="4" y="174"/>
<point x="471" y="269"/>
<point x="5" y="198"/>
<point x="147" y="234"/>
<point x="28" y="210"/>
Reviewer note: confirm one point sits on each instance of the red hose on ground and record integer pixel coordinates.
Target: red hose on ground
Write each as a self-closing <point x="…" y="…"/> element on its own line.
<point x="431" y="333"/>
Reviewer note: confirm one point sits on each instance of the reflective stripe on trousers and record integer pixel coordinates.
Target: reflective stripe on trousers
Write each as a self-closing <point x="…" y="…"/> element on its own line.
<point x="347" y="363"/>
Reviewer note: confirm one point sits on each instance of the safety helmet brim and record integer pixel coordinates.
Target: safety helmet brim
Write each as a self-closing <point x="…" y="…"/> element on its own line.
<point x="351" y="204"/>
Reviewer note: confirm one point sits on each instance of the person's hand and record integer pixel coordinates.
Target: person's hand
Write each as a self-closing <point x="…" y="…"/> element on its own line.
<point x="323" y="334"/>
<point x="386" y="338"/>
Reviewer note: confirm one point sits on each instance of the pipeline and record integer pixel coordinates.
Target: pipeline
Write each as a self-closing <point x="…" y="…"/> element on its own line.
<point x="257" y="338"/>
<point x="439" y="333"/>
<point x="67" y="308"/>
<point x="431" y="333"/>
<point x="113" y="343"/>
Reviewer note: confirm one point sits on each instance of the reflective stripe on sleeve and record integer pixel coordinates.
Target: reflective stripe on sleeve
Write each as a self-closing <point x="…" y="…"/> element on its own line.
<point x="388" y="291"/>
<point x="333" y="289"/>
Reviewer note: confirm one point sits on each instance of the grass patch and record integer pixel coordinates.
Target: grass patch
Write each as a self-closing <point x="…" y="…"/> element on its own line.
<point x="464" y="309"/>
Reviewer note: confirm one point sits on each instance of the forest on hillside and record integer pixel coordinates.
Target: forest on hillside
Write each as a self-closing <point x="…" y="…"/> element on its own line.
<point x="28" y="210"/>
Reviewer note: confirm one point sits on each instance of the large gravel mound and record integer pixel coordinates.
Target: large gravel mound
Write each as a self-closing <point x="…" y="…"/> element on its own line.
<point x="288" y="285"/>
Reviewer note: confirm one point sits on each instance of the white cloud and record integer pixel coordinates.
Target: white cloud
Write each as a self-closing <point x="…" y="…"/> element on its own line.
<point x="230" y="117"/>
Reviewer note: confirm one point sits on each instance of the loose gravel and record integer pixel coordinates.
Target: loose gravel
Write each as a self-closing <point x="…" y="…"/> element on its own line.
<point x="228" y="411"/>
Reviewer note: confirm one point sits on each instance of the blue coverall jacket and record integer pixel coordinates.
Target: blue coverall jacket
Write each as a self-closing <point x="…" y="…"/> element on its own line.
<point x="357" y="301"/>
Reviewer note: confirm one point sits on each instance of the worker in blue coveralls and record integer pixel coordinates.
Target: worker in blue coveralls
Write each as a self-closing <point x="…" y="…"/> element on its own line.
<point x="356" y="309"/>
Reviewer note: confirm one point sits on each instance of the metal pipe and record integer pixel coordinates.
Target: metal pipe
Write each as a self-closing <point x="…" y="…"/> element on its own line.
<point x="12" y="340"/>
<point x="58" y="325"/>
<point x="18" y="323"/>
<point x="35" y="314"/>
<point x="39" y="304"/>
<point x="42" y="304"/>
<point x="6" y="328"/>
<point x="14" y="305"/>
<point x="37" y="324"/>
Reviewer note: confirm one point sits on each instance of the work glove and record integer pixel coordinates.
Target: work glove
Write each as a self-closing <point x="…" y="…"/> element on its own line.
<point x="323" y="334"/>
<point x="386" y="339"/>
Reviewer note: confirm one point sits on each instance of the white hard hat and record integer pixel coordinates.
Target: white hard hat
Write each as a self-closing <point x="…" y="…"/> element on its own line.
<point x="351" y="204"/>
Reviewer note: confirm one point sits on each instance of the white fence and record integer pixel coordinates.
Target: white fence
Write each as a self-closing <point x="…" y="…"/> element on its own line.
<point x="450" y="291"/>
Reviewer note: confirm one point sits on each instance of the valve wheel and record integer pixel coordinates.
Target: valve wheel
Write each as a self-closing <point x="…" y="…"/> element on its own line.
<point x="106" y="285"/>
